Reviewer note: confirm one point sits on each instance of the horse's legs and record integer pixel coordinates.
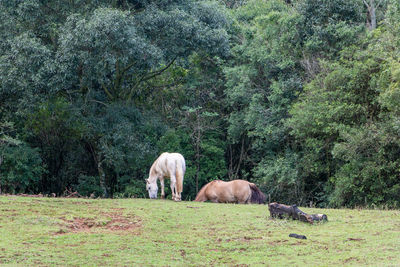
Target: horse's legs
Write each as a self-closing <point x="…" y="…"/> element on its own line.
<point x="162" y="187"/>
<point x="177" y="193"/>
<point x="173" y="188"/>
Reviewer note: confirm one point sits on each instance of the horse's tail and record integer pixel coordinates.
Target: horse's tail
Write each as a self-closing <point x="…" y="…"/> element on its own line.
<point x="256" y="195"/>
<point x="180" y="173"/>
<point x="201" y="195"/>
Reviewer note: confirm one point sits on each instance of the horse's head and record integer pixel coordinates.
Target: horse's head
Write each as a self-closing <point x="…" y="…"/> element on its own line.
<point x="152" y="188"/>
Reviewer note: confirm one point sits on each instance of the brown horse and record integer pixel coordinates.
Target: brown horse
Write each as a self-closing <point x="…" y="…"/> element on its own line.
<point x="236" y="191"/>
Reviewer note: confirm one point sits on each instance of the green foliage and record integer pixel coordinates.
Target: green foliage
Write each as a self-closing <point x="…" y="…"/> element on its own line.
<point x="83" y="81"/>
<point x="99" y="52"/>
<point x="185" y="25"/>
<point x="55" y="129"/>
<point x="346" y="123"/>
<point x="21" y="169"/>
<point x="89" y="186"/>
<point x="134" y="189"/>
<point x="370" y="173"/>
<point x="279" y="178"/>
<point x="24" y="73"/>
<point x="121" y="141"/>
<point x="297" y="96"/>
<point x="329" y="26"/>
<point x="310" y="44"/>
<point x="263" y="81"/>
<point x="6" y="131"/>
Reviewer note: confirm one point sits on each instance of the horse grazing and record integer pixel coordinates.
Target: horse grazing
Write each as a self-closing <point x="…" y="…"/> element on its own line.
<point x="170" y="165"/>
<point x="236" y="191"/>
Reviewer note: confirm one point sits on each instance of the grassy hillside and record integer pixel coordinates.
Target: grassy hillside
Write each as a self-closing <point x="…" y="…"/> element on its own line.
<point x="76" y="232"/>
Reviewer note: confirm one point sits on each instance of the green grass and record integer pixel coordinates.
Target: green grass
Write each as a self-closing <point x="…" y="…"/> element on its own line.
<point x="142" y="232"/>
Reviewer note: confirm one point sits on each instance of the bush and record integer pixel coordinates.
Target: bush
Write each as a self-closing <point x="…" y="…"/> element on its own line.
<point x="279" y="177"/>
<point x="21" y="170"/>
<point x="136" y="189"/>
<point x="89" y="185"/>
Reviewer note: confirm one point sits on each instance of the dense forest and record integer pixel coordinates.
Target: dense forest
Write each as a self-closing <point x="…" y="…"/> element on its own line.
<point x="301" y="97"/>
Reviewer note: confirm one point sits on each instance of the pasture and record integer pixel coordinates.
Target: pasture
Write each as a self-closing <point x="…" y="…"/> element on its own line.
<point x="143" y="232"/>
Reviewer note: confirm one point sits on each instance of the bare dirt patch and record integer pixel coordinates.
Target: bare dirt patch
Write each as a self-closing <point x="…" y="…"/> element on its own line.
<point x="105" y="221"/>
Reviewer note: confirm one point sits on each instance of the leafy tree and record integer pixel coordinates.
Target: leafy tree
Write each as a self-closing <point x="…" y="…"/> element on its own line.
<point x="25" y="68"/>
<point x="346" y="126"/>
<point x="81" y="80"/>
<point x="203" y="116"/>
<point x="262" y="81"/>
<point x="121" y="142"/>
<point x="261" y="65"/>
<point x="281" y="48"/>
<point x="331" y="104"/>
<point x="369" y="175"/>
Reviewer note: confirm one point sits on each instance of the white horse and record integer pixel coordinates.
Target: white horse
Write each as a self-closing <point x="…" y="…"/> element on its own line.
<point x="170" y="165"/>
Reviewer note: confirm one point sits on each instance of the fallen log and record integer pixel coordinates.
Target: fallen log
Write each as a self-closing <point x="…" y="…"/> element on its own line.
<point x="281" y="211"/>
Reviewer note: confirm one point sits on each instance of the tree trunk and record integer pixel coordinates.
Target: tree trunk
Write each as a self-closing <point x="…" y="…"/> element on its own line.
<point x="234" y="170"/>
<point x="198" y="139"/>
<point x="280" y="211"/>
<point x="372" y="15"/>
<point x="100" y="170"/>
<point x="198" y="134"/>
<point x="102" y="177"/>
<point x="372" y="6"/>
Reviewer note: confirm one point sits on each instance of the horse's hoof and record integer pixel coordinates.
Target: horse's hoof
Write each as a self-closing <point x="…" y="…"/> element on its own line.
<point x="177" y="199"/>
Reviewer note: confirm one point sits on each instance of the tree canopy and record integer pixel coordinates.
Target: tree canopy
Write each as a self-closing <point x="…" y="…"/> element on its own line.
<point x="301" y="97"/>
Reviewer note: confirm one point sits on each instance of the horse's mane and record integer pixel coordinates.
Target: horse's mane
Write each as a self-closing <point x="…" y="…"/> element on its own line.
<point x="256" y="195"/>
<point x="152" y="172"/>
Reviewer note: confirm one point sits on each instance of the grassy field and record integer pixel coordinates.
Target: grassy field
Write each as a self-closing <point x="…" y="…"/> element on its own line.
<point x="142" y="232"/>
